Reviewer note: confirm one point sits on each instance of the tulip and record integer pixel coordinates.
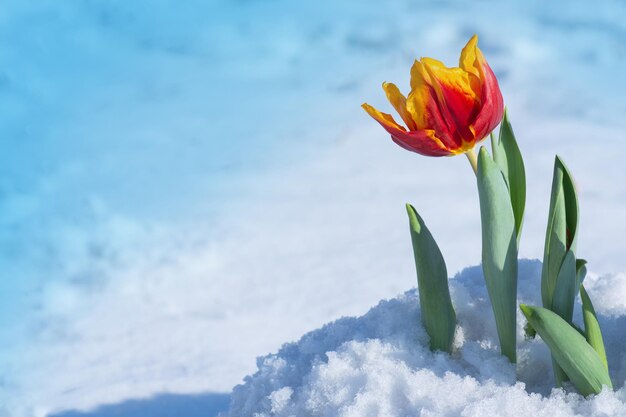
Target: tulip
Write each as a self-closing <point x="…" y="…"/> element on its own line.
<point x="449" y="110"/>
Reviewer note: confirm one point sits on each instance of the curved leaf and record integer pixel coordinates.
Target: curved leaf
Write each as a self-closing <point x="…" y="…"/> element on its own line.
<point x="593" y="333"/>
<point x="556" y="238"/>
<point x="561" y="273"/>
<point x="507" y="155"/>
<point x="570" y="350"/>
<point x="571" y="204"/>
<point x="438" y="315"/>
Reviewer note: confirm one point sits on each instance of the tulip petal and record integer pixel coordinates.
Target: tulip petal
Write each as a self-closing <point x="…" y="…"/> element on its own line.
<point x="398" y="101"/>
<point x="385" y="119"/>
<point x="486" y="87"/>
<point x="421" y="102"/>
<point x="455" y="94"/>
<point x="425" y="110"/>
<point x="469" y="62"/>
<point x="492" y="103"/>
<point x="423" y="142"/>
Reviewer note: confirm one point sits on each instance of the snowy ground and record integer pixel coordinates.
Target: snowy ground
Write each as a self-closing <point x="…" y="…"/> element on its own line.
<point x="379" y="364"/>
<point x="186" y="187"/>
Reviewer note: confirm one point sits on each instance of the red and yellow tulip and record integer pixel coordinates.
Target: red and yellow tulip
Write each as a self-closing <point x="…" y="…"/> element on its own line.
<point x="448" y="110"/>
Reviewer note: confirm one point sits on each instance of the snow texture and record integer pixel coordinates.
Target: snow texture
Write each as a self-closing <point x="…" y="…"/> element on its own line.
<point x="379" y="364"/>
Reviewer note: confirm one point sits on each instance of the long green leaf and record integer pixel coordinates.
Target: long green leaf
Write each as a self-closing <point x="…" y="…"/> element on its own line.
<point x="563" y="302"/>
<point x="560" y="273"/>
<point x="566" y="288"/>
<point x="438" y="315"/>
<point x="593" y="333"/>
<point x="556" y="238"/>
<point x="499" y="253"/>
<point x="571" y="351"/>
<point x="507" y="155"/>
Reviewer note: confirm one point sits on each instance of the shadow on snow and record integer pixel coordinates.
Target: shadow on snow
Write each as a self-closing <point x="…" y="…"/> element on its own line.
<point x="164" y="405"/>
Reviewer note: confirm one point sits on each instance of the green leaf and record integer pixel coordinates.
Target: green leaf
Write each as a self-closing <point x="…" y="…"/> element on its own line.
<point x="507" y="155"/>
<point x="560" y="277"/>
<point x="571" y="204"/>
<point x="575" y="356"/>
<point x="593" y="333"/>
<point x="556" y="238"/>
<point x="562" y="228"/>
<point x="581" y="270"/>
<point x="499" y="252"/>
<point x="438" y="315"/>
<point x="563" y="301"/>
<point x="559" y="374"/>
<point x="566" y="288"/>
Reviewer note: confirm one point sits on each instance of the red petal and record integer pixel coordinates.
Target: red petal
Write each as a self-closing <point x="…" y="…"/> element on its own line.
<point x="492" y="104"/>
<point x="421" y="142"/>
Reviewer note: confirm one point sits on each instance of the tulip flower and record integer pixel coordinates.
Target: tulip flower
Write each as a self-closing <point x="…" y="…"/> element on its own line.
<point x="448" y="110"/>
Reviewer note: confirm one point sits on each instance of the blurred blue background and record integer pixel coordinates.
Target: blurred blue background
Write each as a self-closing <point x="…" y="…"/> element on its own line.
<point x="187" y="185"/>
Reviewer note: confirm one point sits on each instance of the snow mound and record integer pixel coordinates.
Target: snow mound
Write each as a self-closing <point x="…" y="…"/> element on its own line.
<point x="379" y="364"/>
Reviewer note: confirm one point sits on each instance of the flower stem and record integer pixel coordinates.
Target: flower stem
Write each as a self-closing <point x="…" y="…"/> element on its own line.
<point x="471" y="157"/>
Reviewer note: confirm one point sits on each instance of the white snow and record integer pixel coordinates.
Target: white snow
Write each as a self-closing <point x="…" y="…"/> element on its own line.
<point x="185" y="186"/>
<point x="379" y="364"/>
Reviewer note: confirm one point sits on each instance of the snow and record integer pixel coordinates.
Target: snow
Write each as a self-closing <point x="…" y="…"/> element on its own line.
<point x="187" y="186"/>
<point x="379" y="364"/>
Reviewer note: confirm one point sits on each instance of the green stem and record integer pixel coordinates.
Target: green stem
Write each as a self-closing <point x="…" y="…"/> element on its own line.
<point x="473" y="160"/>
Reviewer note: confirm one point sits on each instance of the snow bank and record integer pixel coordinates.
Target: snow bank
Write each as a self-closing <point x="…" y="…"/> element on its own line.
<point x="379" y="364"/>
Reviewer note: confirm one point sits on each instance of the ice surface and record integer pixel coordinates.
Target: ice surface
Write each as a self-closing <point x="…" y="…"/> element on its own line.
<point x="379" y="364"/>
<point x="185" y="186"/>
